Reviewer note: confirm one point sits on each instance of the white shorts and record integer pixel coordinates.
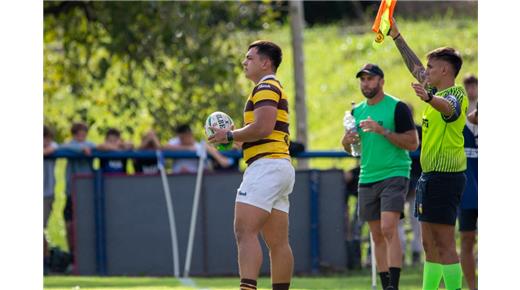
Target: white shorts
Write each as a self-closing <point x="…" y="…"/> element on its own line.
<point x="267" y="184"/>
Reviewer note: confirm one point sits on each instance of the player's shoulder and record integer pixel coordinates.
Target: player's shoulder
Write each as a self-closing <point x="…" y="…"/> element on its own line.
<point x="269" y="85"/>
<point x="455" y="90"/>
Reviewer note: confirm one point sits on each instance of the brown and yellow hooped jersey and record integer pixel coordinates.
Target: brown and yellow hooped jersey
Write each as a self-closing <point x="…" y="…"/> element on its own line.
<point x="268" y="92"/>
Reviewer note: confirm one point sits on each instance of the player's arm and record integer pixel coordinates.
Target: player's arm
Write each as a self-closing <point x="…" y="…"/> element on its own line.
<point x="410" y="58"/>
<point x="261" y="127"/>
<point x="449" y="106"/>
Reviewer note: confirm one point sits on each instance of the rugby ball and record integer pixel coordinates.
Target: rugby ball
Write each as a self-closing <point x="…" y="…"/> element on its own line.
<point x="218" y="120"/>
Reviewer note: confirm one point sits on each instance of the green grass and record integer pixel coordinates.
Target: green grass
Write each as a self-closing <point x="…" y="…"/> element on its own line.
<point x="410" y="280"/>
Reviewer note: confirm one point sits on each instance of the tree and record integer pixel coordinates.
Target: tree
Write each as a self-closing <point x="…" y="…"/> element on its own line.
<point x="136" y="65"/>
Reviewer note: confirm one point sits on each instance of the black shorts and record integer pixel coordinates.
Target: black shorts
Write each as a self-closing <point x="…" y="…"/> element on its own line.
<point x="67" y="210"/>
<point x="468" y="219"/>
<point x="438" y="197"/>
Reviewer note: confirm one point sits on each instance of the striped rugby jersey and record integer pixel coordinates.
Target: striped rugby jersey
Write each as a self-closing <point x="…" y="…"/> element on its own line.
<point x="268" y="92"/>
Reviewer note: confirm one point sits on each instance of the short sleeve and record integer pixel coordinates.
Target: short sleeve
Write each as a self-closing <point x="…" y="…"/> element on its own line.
<point x="403" y="118"/>
<point x="266" y="94"/>
<point x="456" y="106"/>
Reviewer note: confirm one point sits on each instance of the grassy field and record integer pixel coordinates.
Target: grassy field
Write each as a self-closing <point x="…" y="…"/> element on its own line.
<point x="410" y="280"/>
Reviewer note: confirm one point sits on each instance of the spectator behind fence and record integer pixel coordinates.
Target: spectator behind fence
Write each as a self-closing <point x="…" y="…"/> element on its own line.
<point x="415" y="173"/>
<point x="49" y="182"/>
<point x="78" y="144"/>
<point x="149" y="142"/>
<point x="468" y="211"/>
<point x="221" y="163"/>
<point x="113" y="142"/>
<point x="184" y="141"/>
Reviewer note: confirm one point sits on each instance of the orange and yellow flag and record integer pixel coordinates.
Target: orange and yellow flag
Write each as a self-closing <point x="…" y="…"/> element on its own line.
<point x="383" y="21"/>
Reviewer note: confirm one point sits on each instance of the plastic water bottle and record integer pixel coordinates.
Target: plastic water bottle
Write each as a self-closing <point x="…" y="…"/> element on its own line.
<point x="349" y="122"/>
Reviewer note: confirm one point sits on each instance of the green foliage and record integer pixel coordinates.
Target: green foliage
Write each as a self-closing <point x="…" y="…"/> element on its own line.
<point x="137" y="65"/>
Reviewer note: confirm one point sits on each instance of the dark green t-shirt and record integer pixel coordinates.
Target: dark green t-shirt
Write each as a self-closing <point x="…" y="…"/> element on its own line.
<point x="380" y="159"/>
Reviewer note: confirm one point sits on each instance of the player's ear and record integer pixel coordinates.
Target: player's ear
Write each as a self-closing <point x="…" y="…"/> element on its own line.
<point x="446" y="68"/>
<point x="266" y="62"/>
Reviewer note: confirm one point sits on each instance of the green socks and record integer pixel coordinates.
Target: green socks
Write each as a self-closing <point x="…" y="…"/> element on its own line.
<point x="452" y="276"/>
<point x="432" y="275"/>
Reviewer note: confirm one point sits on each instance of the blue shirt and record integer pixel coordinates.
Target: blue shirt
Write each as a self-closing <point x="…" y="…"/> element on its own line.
<point x="470" y="196"/>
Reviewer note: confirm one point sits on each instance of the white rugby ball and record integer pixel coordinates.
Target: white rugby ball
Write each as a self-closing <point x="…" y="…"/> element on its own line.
<point x="218" y="120"/>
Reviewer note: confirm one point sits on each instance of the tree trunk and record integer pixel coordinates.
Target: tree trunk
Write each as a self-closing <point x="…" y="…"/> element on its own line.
<point x="296" y="15"/>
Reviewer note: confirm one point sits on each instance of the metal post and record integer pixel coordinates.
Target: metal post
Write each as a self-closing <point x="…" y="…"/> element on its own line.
<point x="171" y="214"/>
<point x="297" y="25"/>
<point x="314" y="185"/>
<point x="196" y="197"/>
<point x="99" y="208"/>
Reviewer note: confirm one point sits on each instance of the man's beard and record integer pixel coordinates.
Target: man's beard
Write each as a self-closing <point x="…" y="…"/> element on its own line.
<point x="369" y="94"/>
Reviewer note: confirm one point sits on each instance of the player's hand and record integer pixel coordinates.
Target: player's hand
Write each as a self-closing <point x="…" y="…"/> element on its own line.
<point x="219" y="137"/>
<point x="420" y="91"/>
<point x="369" y="125"/>
<point x="394" y="31"/>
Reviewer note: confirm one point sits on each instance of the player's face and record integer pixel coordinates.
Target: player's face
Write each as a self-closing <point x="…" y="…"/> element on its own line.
<point x="370" y="85"/>
<point x="253" y="64"/>
<point x="435" y="70"/>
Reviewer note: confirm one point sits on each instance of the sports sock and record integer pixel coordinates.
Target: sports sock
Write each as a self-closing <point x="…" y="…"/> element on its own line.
<point x="281" y="286"/>
<point x="247" y="284"/>
<point x="395" y="273"/>
<point x="432" y="274"/>
<point x="452" y="276"/>
<point x="385" y="279"/>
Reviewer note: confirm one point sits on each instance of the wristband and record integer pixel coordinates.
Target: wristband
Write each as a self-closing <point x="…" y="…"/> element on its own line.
<point x="229" y="135"/>
<point x="387" y="132"/>
<point x="399" y="34"/>
<point x="430" y="97"/>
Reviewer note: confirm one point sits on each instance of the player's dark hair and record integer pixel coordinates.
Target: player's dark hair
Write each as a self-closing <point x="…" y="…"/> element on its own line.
<point x="470" y="79"/>
<point x="269" y="49"/>
<point x="183" y="128"/>
<point x="113" y="132"/>
<point x="79" y="126"/>
<point x="448" y="54"/>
